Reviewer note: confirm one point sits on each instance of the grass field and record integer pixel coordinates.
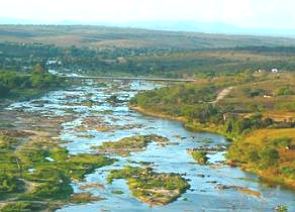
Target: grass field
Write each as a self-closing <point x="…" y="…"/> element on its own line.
<point x="99" y="36"/>
<point x="257" y="114"/>
<point x="266" y="153"/>
<point x="108" y="51"/>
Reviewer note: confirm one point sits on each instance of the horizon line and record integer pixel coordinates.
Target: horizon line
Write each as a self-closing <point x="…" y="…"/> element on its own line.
<point x="236" y="30"/>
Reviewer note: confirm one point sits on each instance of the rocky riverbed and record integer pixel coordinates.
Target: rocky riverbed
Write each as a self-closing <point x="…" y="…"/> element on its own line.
<point x="83" y="117"/>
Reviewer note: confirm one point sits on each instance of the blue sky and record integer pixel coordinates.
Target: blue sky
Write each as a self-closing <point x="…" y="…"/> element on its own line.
<point x="271" y="14"/>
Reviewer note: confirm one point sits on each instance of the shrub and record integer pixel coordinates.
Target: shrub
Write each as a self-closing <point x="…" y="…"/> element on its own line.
<point x="281" y="142"/>
<point x="254" y="92"/>
<point x="200" y="156"/>
<point x="284" y="91"/>
<point x="269" y="157"/>
<point x="9" y="183"/>
<point x="16" y="207"/>
<point x="23" y="206"/>
<point x="4" y="90"/>
<point x="253" y="156"/>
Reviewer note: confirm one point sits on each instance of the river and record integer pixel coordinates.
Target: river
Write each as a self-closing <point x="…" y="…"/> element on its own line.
<point x="203" y="195"/>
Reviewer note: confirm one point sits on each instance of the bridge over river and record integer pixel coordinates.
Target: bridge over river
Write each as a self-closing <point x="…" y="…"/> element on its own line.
<point x="127" y="78"/>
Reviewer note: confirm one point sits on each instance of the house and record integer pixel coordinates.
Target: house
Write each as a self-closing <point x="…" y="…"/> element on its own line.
<point x="121" y="60"/>
<point x="53" y="62"/>
<point x="290" y="147"/>
<point x="260" y="70"/>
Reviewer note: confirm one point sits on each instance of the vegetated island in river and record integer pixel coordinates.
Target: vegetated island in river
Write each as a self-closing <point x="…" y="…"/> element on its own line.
<point x="127" y="145"/>
<point x="151" y="187"/>
<point x="19" y="85"/>
<point x="255" y="111"/>
<point x="35" y="171"/>
<point x="146" y="185"/>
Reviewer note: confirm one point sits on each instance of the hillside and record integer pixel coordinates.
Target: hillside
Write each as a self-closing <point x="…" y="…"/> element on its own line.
<point x="256" y="112"/>
<point x="93" y="50"/>
<point x="98" y="36"/>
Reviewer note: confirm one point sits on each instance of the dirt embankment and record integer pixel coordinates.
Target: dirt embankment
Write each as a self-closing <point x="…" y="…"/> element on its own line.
<point x="155" y="114"/>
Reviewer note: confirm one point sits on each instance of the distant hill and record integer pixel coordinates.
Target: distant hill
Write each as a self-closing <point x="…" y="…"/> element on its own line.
<point x="211" y="27"/>
<point x="183" y="25"/>
<point x="106" y="37"/>
<point x="110" y="51"/>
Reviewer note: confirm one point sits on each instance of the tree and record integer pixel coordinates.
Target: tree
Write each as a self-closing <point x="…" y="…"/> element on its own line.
<point x="4" y="91"/>
<point x="253" y="156"/>
<point x="8" y="183"/>
<point x="229" y="128"/>
<point x="284" y="91"/>
<point x="243" y="125"/>
<point x="269" y="156"/>
<point x="38" y="68"/>
<point x="37" y="80"/>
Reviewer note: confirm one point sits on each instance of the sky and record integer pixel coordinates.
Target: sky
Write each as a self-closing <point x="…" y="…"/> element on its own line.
<point x="272" y="14"/>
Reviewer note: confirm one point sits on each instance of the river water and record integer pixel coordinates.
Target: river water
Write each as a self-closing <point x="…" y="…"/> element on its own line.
<point x="203" y="194"/>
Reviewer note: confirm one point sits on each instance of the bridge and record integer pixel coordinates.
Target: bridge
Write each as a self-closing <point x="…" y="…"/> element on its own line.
<point x="127" y="78"/>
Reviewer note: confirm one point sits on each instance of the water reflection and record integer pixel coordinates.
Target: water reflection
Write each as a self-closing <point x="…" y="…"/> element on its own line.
<point x="171" y="158"/>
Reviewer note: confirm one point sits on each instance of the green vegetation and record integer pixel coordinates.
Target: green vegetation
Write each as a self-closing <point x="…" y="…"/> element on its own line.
<point x="128" y="38"/>
<point x="22" y="206"/>
<point x="83" y="164"/>
<point x="199" y="156"/>
<point x="236" y="107"/>
<point x="118" y="192"/>
<point x="125" y="146"/>
<point x="82" y="198"/>
<point x="285" y="91"/>
<point x="35" y="169"/>
<point x="254" y="109"/>
<point x="133" y="52"/>
<point x="15" y="84"/>
<point x="281" y="208"/>
<point x="180" y="100"/>
<point x="150" y="187"/>
<point x="9" y="184"/>
<point x="269" y="153"/>
<point x="251" y="103"/>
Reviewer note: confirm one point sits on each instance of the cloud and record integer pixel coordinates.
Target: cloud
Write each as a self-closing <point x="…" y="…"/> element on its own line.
<point x="242" y="13"/>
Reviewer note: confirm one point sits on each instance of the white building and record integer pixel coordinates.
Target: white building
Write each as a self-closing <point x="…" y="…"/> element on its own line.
<point x="274" y="70"/>
<point x="53" y="62"/>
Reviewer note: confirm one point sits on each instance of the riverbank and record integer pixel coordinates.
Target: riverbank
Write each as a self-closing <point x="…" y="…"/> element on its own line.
<point x="196" y="127"/>
<point x="42" y="173"/>
<point x="168" y="158"/>
<point x="36" y="172"/>
<point x="152" y="188"/>
<point x="154" y="114"/>
<point x="236" y="108"/>
<point x="17" y="86"/>
<point x="25" y="95"/>
<point x="270" y="175"/>
<point x="269" y="153"/>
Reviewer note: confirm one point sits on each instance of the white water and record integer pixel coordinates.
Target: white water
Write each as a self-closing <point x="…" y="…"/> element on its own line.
<point x="203" y="195"/>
